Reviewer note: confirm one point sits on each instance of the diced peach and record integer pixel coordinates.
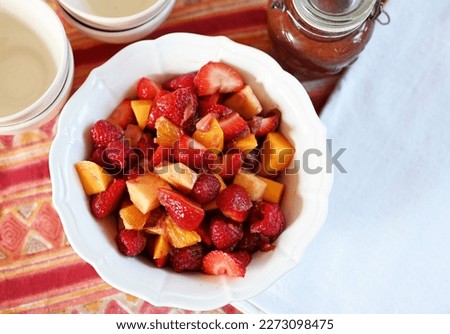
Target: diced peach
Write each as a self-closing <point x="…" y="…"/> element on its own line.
<point x="209" y="133"/>
<point x="93" y="177"/>
<point x="143" y="191"/>
<point x="244" y="102"/>
<point x="177" y="175"/>
<point x="167" y="133"/>
<point x="277" y="152"/>
<point x="162" y="247"/>
<point x="274" y="190"/>
<point x="179" y="237"/>
<point x="245" y="144"/>
<point x="254" y="186"/>
<point x="132" y="217"/>
<point x="141" y="109"/>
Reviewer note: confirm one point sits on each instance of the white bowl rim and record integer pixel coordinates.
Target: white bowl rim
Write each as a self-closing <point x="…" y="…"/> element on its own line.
<point x="113" y="23"/>
<point x="106" y="261"/>
<point x="47" y="98"/>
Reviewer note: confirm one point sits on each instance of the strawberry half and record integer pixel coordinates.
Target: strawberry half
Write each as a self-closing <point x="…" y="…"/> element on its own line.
<point x="184" y="212"/>
<point x="261" y="126"/>
<point x="147" y="89"/>
<point x="234" y="127"/>
<point x="234" y="202"/>
<point x="178" y="107"/>
<point x="191" y="153"/>
<point x="205" y="189"/>
<point x="187" y="259"/>
<point x="218" y="262"/>
<point x="181" y="81"/>
<point x="106" y="202"/>
<point x="117" y="153"/>
<point x="224" y="233"/>
<point x="123" y="114"/>
<point x="104" y="131"/>
<point x="217" y="77"/>
<point x="130" y="242"/>
<point x="268" y="219"/>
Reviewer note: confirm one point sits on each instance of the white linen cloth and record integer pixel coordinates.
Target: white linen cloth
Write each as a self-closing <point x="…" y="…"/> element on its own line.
<point x="385" y="247"/>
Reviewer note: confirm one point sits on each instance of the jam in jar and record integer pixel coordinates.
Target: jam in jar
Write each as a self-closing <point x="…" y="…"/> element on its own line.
<point x="315" y="39"/>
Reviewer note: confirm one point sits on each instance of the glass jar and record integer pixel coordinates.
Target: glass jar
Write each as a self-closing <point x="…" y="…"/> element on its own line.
<point x="313" y="39"/>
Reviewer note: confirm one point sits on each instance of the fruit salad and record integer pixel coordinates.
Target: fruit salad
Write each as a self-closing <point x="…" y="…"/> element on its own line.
<point x="188" y="170"/>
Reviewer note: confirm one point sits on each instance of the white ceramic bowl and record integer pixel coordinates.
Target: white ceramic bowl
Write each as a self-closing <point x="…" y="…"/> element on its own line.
<point x="139" y="13"/>
<point x="120" y="36"/>
<point x="305" y="200"/>
<point x="48" y="29"/>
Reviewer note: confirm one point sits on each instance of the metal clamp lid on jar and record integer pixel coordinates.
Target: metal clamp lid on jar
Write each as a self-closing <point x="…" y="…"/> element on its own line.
<point x="335" y="17"/>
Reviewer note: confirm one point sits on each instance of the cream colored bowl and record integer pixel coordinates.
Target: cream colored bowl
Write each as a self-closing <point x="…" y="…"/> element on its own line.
<point x="34" y="60"/>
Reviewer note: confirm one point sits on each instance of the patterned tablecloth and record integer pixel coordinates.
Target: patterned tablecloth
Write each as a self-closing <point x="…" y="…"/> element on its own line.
<point x="39" y="271"/>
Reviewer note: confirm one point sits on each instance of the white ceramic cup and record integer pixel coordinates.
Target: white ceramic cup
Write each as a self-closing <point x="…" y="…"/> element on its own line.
<point x="34" y="59"/>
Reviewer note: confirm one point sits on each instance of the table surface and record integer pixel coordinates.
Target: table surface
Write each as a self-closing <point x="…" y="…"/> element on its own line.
<point x="39" y="271"/>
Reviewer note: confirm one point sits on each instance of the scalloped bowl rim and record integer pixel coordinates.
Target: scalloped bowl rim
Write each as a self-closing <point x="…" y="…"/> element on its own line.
<point x="93" y="240"/>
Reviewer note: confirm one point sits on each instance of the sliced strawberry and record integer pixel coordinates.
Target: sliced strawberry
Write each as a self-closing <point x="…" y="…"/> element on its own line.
<point x="261" y="126"/>
<point x="104" y="131"/>
<point x="184" y="212"/>
<point x="178" y="107"/>
<point x="203" y="232"/>
<point x="130" y="242"/>
<point x="268" y="219"/>
<point x="204" y="102"/>
<point x="181" y="81"/>
<point x="242" y="257"/>
<point x="218" y="262"/>
<point x="97" y="156"/>
<point x="234" y="202"/>
<point x="123" y="114"/>
<point x="227" y="165"/>
<point x="219" y="110"/>
<point x="191" y="153"/>
<point x="217" y="77"/>
<point x="205" y="189"/>
<point x="106" y="202"/>
<point x="225" y="234"/>
<point x="147" y="89"/>
<point x="234" y="127"/>
<point x="117" y="152"/>
<point x="187" y="259"/>
<point x="160" y="155"/>
<point x="145" y="146"/>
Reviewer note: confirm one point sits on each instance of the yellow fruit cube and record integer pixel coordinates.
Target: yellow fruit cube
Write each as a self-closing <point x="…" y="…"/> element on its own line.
<point x="143" y="191"/>
<point x="141" y="109"/>
<point x="254" y="186"/>
<point x="179" y="237"/>
<point x="177" y="175"/>
<point x="277" y="153"/>
<point x="94" y="178"/>
<point x="162" y="247"/>
<point x="245" y="103"/>
<point x="246" y="144"/>
<point x="213" y="137"/>
<point x="273" y="192"/>
<point x="132" y="217"/>
<point x="167" y="133"/>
